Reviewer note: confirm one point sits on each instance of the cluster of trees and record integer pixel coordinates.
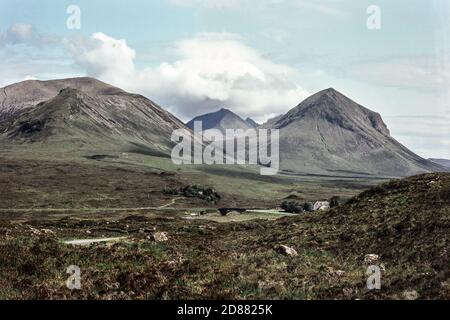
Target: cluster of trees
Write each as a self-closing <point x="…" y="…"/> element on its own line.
<point x="205" y="193"/>
<point x="297" y="207"/>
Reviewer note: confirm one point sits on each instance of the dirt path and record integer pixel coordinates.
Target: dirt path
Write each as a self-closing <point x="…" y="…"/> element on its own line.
<point x="86" y="242"/>
<point x="172" y="202"/>
<point x="63" y="210"/>
<point x="271" y="211"/>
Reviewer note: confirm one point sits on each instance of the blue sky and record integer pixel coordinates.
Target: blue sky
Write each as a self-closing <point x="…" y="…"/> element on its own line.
<point x="257" y="57"/>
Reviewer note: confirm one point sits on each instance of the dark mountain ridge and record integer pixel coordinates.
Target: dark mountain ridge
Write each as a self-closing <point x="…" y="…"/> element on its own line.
<point x="222" y="119"/>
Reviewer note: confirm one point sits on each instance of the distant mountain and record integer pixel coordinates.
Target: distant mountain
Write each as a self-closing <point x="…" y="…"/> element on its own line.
<point x="330" y="134"/>
<point x="252" y="122"/>
<point x="221" y="120"/>
<point x="442" y="162"/>
<point x="85" y="113"/>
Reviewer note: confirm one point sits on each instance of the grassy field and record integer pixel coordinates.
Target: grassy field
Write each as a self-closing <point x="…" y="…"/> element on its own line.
<point x="240" y="260"/>
<point x="30" y="179"/>
<point x="46" y="200"/>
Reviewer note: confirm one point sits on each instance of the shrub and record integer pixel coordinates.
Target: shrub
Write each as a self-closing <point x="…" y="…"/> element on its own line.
<point x="207" y="194"/>
<point x="292" y="207"/>
<point x="334" y="201"/>
<point x="307" y="206"/>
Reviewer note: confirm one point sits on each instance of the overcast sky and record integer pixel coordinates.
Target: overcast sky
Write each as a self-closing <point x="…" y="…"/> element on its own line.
<point x="259" y="58"/>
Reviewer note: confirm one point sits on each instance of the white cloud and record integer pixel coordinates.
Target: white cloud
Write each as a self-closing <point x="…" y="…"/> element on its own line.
<point x="423" y="73"/>
<point x="19" y="33"/>
<point x="209" y="71"/>
<point x="105" y="57"/>
<point x="23" y="33"/>
<point x="25" y="53"/>
<point x="29" y="77"/>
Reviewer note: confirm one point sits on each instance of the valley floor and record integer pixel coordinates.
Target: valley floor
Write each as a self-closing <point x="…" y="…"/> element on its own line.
<point x="166" y="250"/>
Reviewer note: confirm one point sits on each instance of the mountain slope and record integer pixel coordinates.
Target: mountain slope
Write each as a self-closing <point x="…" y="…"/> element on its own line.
<point x="221" y="120"/>
<point x="252" y="122"/>
<point x="100" y="117"/>
<point x="405" y="222"/>
<point x="330" y="134"/>
<point x="442" y="162"/>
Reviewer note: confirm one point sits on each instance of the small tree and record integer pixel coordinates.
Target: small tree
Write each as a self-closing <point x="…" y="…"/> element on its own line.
<point x="307" y="206"/>
<point x="292" y="207"/>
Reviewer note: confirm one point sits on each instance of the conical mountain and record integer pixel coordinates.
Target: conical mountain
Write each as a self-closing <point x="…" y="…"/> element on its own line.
<point x="329" y="133"/>
<point x="222" y="120"/>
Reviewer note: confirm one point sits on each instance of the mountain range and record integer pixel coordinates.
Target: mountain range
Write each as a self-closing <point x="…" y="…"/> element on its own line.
<point x="330" y="134"/>
<point x="327" y="134"/>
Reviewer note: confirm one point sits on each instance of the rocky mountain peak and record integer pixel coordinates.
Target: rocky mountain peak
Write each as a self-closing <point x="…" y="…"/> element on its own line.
<point x="329" y="132"/>
<point x="337" y="109"/>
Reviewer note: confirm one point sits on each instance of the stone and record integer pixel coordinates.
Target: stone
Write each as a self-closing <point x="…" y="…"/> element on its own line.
<point x="34" y="231"/>
<point x="47" y="231"/>
<point x="287" y="251"/>
<point x="371" y="258"/>
<point x="410" y="295"/>
<point x="160" y="236"/>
